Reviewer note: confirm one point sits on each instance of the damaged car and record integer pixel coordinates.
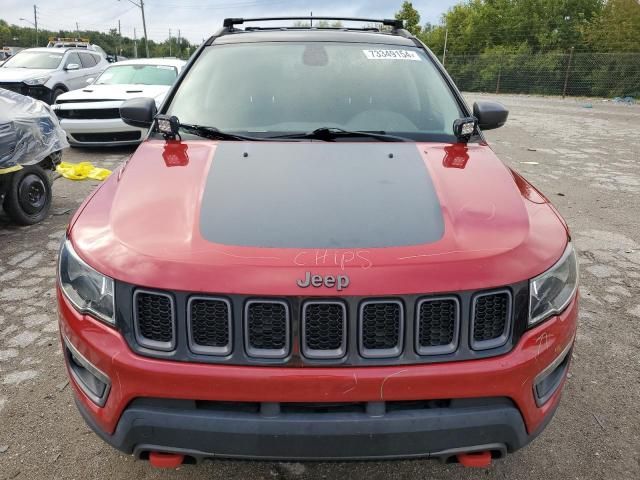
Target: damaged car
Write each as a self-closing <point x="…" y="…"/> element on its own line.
<point x="31" y="144"/>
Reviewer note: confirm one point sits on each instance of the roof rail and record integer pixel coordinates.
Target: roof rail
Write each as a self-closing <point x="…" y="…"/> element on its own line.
<point x="396" y="24"/>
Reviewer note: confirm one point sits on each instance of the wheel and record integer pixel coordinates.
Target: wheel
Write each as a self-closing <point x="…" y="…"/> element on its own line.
<point x="56" y="93"/>
<point x="28" y="198"/>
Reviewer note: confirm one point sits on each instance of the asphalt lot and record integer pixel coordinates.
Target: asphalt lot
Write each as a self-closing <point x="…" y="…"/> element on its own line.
<point x="583" y="154"/>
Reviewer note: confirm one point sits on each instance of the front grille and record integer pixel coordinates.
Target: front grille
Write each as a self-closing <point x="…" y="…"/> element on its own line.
<point x="106" y="137"/>
<point x="381" y="328"/>
<point x="490" y="323"/>
<point x="296" y="331"/>
<point x="88" y="113"/>
<point x="154" y="317"/>
<point x="209" y="322"/>
<point x="437" y="326"/>
<point x="324" y="329"/>
<point x="267" y="328"/>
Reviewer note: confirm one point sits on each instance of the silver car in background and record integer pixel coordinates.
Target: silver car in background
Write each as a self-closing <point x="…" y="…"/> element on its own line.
<point x="46" y="73"/>
<point x="91" y="115"/>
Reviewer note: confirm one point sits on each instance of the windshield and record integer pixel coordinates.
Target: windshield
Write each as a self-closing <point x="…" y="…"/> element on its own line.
<point x="46" y="60"/>
<point x="138" y="74"/>
<point x="278" y="88"/>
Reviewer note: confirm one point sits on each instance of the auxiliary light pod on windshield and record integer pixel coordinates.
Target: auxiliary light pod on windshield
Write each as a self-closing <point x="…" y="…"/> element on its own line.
<point x="168" y="126"/>
<point x="465" y="128"/>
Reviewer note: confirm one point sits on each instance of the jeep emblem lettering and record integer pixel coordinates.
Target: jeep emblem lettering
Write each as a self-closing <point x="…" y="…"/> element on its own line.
<point x="339" y="282"/>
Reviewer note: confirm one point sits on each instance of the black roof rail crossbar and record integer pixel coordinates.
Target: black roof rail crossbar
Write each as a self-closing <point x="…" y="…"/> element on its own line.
<point x="390" y="22"/>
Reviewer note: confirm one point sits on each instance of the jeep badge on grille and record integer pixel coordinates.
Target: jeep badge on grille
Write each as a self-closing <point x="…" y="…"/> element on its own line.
<point x="338" y="282"/>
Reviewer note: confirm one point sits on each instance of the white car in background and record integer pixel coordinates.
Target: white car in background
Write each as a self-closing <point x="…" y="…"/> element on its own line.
<point x="91" y="115"/>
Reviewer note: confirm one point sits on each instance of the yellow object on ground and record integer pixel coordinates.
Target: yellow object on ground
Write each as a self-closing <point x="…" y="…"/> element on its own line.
<point x="15" y="168"/>
<point x="81" y="171"/>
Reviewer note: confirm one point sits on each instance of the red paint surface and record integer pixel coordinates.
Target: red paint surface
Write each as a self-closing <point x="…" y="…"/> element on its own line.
<point x="142" y="227"/>
<point x="133" y="376"/>
<point x="165" y="460"/>
<point x="475" y="460"/>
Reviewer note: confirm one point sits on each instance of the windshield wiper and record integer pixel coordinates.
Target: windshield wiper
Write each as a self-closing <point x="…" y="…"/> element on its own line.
<point x="214" y="134"/>
<point x="329" y="134"/>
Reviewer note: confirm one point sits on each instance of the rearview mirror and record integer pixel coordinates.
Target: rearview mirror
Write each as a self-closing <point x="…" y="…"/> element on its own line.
<point x="138" y="112"/>
<point x="490" y="115"/>
<point x="72" y="66"/>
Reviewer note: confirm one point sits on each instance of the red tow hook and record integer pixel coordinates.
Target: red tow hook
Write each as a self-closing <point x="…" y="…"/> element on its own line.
<point x="475" y="459"/>
<point x="165" y="460"/>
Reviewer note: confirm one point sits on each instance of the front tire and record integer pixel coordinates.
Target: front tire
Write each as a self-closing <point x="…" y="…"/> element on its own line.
<point x="55" y="94"/>
<point x="28" y="198"/>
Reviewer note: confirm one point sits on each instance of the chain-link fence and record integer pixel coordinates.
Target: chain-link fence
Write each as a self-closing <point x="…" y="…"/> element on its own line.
<point x="573" y="73"/>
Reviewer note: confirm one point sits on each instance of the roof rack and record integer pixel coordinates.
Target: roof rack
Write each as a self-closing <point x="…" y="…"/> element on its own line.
<point x="394" y="23"/>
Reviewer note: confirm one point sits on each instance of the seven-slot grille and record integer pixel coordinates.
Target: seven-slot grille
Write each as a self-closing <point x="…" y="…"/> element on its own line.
<point x="437" y="326"/>
<point x="381" y="328"/>
<point x="491" y="319"/>
<point x="154" y="317"/>
<point x="209" y="323"/>
<point x="267" y="330"/>
<point x="324" y="329"/>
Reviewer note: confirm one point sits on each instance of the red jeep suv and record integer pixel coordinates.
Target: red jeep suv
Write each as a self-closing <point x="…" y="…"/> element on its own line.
<point x="315" y="255"/>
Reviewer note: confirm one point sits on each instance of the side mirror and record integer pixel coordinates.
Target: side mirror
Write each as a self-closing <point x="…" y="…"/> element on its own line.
<point x="139" y="112"/>
<point x="490" y="115"/>
<point x="90" y="80"/>
<point x="72" y="66"/>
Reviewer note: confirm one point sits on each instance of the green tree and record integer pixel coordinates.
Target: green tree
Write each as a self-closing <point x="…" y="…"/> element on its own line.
<point x="110" y="41"/>
<point x="411" y="18"/>
<point x="541" y="25"/>
<point x="617" y="29"/>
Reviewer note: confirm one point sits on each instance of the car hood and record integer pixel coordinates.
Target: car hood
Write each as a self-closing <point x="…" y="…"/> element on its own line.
<point x="252" y="217"/>
<point x="113" y="92"/>
<point x="20" y="74"/>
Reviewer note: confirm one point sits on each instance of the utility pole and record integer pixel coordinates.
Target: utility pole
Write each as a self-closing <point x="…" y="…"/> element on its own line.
<point x="135" y="44"/>
<point x="77" y="30"/>
<point x="144" y="23"/>
<point x="35" y="21"/>
<point x="119" y="41"/>
<point x="144" y="26"/>
<point x="179" y="45"/>
<point x="444" y="53"/>
<point x="169" y="42"/>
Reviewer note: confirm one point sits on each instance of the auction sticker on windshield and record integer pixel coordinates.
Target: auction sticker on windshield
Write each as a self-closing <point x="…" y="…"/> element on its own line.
<point x="391" y="55"/>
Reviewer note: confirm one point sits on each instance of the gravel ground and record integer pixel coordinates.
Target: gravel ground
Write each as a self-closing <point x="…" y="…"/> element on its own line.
<point x="583" y="154"/>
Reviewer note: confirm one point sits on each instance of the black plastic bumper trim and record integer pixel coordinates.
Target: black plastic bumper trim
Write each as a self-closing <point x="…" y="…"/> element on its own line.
<point x="434" y="432"/>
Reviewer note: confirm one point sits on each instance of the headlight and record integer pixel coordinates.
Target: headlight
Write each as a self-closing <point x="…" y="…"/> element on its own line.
<point x="89" y="291"/>
<point x="37" y="81"/>
<point x="551" y="292"/>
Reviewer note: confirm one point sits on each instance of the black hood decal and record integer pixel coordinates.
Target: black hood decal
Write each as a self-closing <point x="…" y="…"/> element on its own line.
<point x="320" y="195"/>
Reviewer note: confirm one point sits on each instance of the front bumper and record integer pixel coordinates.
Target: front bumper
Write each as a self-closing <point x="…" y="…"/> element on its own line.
<point x="159" y="405"/>
<point x="101" y="132"/>
<point x="39" y="92"/>
<point x="493" y="425"/>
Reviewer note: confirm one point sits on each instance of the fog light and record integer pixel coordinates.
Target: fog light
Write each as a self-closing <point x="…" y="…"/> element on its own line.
<point x="92" y="382"/>
<point x="547" y="382"/>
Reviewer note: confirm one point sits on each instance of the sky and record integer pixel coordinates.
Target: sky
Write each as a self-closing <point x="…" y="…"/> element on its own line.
<point x="196" y="19"/>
